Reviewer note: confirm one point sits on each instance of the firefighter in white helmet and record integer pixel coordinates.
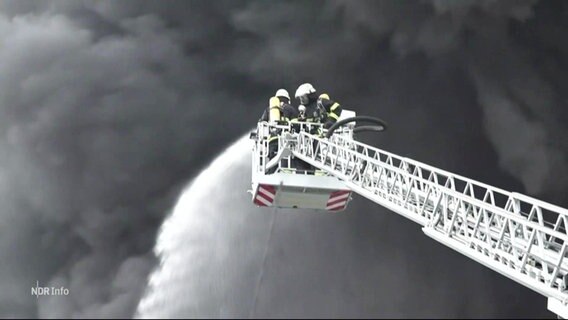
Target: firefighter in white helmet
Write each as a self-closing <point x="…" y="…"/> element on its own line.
<point x="279" y="108"/>
<point x="279" y="111"/>
<point x="319" y="108"/>
<point x="316" y="108"/>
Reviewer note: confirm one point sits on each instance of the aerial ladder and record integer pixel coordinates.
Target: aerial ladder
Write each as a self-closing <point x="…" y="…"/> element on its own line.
<point x="522" y="238"/>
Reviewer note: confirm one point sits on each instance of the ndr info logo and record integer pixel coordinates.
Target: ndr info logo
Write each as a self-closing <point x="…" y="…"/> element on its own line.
<point x="49" y="291"/>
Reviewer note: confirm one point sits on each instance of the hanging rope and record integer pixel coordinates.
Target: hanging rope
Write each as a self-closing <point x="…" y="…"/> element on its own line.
<point x="263" y="265"/>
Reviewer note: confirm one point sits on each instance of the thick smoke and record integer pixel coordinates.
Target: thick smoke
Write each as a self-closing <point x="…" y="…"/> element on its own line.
<point x="107" y="108"/>
<point x="96" y="134"/>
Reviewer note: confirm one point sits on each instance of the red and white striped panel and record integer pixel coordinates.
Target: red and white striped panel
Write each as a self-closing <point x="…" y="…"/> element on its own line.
<point x="265" y="195"/>
<point x="338" y="200"/>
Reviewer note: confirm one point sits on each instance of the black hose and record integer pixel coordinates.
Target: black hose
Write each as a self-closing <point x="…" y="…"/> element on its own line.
<point x="368" y="128"/>
<point x="380" y="124"/>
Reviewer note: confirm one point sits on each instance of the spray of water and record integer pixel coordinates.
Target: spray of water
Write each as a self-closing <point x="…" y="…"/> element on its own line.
<point x="201" y="248"/>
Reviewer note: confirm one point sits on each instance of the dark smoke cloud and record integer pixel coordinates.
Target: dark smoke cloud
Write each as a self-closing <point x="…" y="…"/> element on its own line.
<point x="107" y="108"/>
<point x="96" y="134"/>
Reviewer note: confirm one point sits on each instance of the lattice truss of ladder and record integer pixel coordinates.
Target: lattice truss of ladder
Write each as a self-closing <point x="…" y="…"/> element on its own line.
<point x="522" y="238"/>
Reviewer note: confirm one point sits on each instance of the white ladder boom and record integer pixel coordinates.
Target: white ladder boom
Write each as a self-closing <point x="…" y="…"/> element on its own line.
<point x="520" y="237"/>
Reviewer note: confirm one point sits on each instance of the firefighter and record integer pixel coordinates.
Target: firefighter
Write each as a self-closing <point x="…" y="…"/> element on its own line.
<point x="318" y="108"/>
<point x="279" y="111"/>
